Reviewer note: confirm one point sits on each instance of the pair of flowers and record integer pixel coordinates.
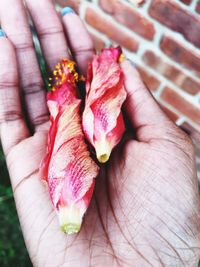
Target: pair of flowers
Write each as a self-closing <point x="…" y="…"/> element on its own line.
<point x="67" y="167"/>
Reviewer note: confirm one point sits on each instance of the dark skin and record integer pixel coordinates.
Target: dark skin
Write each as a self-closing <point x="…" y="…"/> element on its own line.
<point x="146" y="208"/>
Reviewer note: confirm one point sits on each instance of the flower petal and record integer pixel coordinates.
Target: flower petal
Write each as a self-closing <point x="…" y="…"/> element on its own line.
<point x="67" y="166"/>
<point x="102" y="119"/>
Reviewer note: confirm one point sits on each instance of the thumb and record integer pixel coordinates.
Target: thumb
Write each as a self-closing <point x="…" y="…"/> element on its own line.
<point x="141" y="108"/>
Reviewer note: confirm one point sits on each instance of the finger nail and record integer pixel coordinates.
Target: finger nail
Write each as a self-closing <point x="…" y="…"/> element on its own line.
<point x="2" y="33"/>
<point x="66" y="10"/>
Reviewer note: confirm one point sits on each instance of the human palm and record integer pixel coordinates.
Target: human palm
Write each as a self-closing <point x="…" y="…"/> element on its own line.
<point x="136" y="203"/>
<point x="145" y="209"/>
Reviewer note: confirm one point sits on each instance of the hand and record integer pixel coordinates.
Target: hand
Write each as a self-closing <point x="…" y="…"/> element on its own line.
<point x="145" y="211"/>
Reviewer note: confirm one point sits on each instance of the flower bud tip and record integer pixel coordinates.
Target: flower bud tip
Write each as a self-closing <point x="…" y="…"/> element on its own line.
<point x="103" y="150"/>
<point x="103" y="158"/>
<point x="70" y="228"/>
<point x="70" y="219"/>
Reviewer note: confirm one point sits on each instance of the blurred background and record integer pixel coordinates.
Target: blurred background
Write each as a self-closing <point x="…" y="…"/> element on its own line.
<point x="162" y="38"/>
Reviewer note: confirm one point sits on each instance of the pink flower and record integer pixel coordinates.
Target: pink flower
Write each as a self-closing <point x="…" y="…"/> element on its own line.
<point x="103" y="123"/>
<point x="67" y="166"/>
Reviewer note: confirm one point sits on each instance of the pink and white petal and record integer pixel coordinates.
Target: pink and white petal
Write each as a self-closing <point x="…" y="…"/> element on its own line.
<point x="88" y="124"/>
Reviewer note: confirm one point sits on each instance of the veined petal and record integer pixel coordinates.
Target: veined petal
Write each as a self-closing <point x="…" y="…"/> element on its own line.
<point x="67" y="166"/>
<point x="102" y="119"/>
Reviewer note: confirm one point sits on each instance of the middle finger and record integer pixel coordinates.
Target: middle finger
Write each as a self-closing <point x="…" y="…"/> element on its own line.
<point x="50" y="31"/>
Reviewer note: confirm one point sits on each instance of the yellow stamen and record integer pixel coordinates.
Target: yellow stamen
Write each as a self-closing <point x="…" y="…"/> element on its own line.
<point x="61" y="74"/>
<point x="121" y="58"/>
<point x="82" y="78"/>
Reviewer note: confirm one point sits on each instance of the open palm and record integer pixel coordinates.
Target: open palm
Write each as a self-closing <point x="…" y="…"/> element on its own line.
<point x="145" y="209"/>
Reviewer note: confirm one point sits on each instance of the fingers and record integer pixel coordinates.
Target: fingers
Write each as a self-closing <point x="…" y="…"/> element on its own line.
<point x="15" y="23"/>
<point x="50" y="31"/>
<point x="79" y="39"/>
<point x="144" y="113"/>
<point x="12" y="126"/>
<point x="52" y="37"/>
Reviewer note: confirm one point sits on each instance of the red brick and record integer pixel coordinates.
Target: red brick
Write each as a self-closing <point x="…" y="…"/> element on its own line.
<point x="171" y="114"/>
<point x="128" y="17"/>
<point x="190" y="85"/>
<point x="98" y="42"/>
<point x="181" y="104"/>
<point x="151" y="81"/>
<point x="178" y="19"/>
<point x="187" y="2"/>
<point x="181" y="54"/>
<point x="71" y="3"/>
<point x="108" y="6"/>
<point x="104" y="25"/>
<point x="137" y="2"/>
<point x="172" y="73"/>
<point x="198" y="7"/>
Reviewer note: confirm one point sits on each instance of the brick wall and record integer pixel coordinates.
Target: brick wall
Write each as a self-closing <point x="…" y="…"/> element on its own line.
<point x="162" y="37"/>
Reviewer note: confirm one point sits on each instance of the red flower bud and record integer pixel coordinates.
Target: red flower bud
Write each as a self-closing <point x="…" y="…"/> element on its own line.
<point x="105" y="93"/>
<point x="67" y="166"/>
